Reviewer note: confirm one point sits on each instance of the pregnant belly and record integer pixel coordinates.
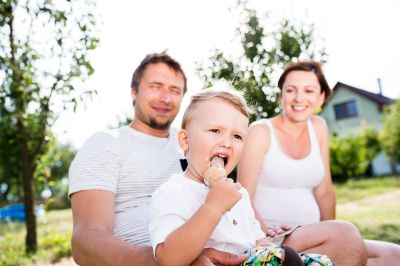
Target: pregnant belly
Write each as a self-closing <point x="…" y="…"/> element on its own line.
<point x="287" y="206"/>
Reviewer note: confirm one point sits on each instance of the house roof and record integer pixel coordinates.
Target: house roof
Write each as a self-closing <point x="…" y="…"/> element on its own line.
<point x="375" y="97"/>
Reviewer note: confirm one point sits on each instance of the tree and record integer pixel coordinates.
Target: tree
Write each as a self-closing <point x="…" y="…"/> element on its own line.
<point x="265" y="51"/>
<point x="43" y="55"/>
<point x="390" y="134"/>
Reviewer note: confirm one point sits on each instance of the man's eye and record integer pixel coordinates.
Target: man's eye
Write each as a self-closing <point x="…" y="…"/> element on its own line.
<point x="176" y="91"/>
<point x="155" y="85"/>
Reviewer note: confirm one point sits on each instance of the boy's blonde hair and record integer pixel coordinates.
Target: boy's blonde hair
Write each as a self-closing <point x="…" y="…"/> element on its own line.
<point x="232" y="97"/>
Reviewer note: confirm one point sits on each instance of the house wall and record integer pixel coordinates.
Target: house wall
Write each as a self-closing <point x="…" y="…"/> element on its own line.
<point x="381" y="165"/>
<point x="369" y="114"/>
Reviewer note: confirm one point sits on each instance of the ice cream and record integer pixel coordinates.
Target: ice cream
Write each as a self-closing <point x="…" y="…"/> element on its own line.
<point x="215" y="171"/>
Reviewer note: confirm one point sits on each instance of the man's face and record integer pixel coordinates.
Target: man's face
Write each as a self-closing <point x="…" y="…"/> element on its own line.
<point x="216" y="129"/>
<point x="158" y="97"/>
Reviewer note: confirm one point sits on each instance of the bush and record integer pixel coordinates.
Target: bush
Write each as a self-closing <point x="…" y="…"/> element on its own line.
<point x="350" y="156"/>
<point x="59" y="202"/>
<point x="12" y="251"/>
<point x="57" y="244"/>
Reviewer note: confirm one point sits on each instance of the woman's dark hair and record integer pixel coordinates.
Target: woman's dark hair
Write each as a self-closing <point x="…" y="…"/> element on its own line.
<point x="155" y="58"/>
<point x="309" y="66"/>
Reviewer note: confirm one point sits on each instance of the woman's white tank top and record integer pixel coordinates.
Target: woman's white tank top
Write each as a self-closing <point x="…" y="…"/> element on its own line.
<point x="284" y="194"/>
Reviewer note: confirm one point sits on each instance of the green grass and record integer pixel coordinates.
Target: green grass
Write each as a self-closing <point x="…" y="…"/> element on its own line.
<point x="357" y="189"/>
<point x="54" y="234"/>
<point x="372" y="204"/>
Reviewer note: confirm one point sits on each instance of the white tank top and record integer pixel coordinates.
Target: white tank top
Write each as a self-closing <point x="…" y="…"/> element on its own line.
<point x="284" y="194"/>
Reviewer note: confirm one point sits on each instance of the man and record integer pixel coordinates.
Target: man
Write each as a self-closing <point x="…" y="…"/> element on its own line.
<point x="115" y="173"/>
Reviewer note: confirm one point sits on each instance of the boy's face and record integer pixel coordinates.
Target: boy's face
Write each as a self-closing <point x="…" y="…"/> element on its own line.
<point x="216" y="128"/>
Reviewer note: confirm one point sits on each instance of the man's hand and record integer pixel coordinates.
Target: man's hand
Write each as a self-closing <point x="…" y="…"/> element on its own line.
<point x="211" y="257"/>
<point x="264" y="242"/>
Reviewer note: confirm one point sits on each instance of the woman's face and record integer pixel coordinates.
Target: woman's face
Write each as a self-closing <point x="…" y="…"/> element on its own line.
<point x="301" y="95"/>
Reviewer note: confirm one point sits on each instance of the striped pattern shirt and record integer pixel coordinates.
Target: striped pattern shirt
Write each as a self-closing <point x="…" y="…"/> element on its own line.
<point x="132" y="165"/>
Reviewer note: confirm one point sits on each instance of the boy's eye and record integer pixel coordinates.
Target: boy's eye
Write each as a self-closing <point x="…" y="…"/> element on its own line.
<point x="236" y="136"/>
<point x="214" y="130"/>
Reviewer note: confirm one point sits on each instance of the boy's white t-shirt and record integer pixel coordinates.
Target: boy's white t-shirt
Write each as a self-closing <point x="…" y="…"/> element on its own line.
<point x="175" y="202"/>
<point x="131" y="165"/>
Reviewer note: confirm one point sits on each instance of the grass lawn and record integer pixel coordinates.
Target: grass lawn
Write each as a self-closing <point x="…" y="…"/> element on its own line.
<point x="372" y="204"/>
<point x="54" y="234"/>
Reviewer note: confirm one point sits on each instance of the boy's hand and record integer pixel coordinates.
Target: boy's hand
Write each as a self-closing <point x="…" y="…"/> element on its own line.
<point x="278" y="230"/>
<point x="224" y="194"/>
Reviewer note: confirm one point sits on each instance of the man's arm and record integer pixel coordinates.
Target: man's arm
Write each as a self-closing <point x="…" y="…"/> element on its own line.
<point x="92" y="239"/>
<point x="212" y="257"/>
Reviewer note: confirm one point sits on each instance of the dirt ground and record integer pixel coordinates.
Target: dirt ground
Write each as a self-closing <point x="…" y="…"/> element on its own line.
<point x="62" y="262"/>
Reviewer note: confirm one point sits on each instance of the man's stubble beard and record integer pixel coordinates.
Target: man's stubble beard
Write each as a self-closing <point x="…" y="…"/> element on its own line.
<point x="160" y="126"/>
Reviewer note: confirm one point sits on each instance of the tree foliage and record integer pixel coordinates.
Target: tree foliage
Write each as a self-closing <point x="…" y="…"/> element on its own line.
<point x="265" y="51"/>
<point x="351" y="156"/>
<point x="44" y="53"/>
<point x="390" y="134"/>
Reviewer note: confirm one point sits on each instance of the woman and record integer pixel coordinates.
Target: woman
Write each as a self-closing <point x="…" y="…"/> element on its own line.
<point x="285" y="161"/>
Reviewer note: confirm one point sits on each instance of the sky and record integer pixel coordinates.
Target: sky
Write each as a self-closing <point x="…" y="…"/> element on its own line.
<point x="361" y="37"/>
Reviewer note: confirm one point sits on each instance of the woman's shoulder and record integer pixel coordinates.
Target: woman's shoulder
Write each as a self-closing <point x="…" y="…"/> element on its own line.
<point x="258" y="135"/>
<point x="259" y="126"/>
<point x="320" y="126"/>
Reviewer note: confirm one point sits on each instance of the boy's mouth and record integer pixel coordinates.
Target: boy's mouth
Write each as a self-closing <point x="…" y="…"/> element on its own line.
<point x="219" y="161"/>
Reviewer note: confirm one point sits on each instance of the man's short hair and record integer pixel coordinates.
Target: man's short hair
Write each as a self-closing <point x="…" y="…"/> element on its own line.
<point x="155" y="58"/>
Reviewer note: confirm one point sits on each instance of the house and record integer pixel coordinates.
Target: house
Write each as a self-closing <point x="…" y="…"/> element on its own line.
<point x="350" y="110"/>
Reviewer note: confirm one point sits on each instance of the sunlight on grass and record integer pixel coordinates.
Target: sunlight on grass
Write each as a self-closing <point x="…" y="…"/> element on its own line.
<point x="377" y="217"/>
<point x="54" y="234"/>
<point x="356" y="189"/>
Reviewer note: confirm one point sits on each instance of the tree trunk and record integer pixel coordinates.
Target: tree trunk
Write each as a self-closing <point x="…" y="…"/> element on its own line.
<point x="27" y="179"/>
<point x="30" y="221"/>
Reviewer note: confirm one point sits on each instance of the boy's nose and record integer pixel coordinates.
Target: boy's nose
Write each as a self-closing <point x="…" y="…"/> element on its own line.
<point x="226" y="141"/>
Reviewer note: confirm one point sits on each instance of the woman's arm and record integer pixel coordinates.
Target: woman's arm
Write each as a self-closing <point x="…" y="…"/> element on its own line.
<point x="324" y="194"/>
<point x="256" y="144"/>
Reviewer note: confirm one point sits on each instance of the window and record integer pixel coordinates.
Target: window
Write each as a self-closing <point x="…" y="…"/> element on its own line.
<point x="345" y="110"/>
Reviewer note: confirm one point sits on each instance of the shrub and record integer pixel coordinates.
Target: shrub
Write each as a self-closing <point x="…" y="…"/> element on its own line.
<point x="57" y="244"/>
<point x="350" y="156"/>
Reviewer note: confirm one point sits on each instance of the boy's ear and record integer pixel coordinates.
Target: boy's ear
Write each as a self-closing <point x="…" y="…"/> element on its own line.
<point x="183" y="139"/>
